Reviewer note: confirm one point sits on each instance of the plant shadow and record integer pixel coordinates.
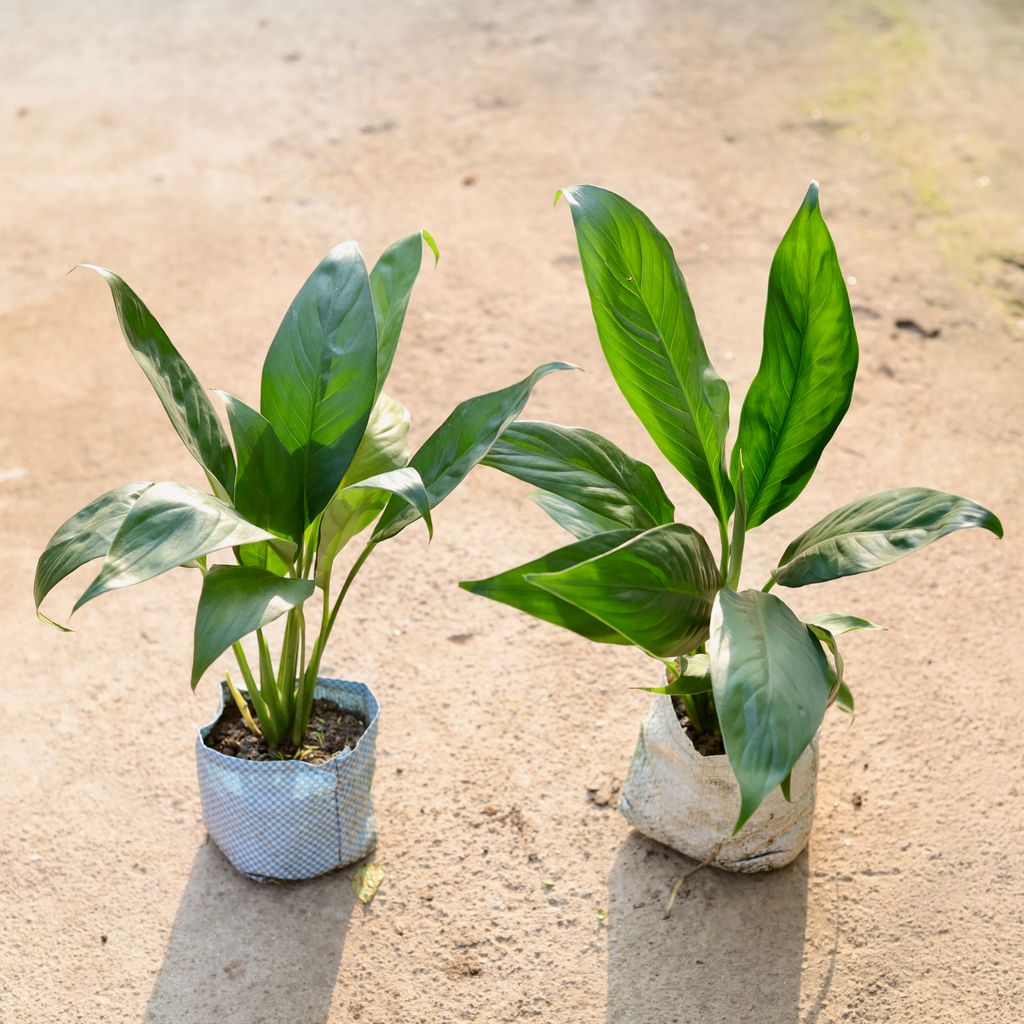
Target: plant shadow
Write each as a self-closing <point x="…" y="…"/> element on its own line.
<point x="731" y="952"/>
<point x="241" y="952"/>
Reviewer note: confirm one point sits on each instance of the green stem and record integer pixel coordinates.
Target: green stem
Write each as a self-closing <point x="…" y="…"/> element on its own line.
<point x="263" y="712"/>
<point x="768" y="586"/>
<point x="723" y="533"/>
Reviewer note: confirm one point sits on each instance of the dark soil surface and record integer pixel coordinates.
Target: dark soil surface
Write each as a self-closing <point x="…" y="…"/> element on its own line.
<point x="331" y="730"/>
<point x="706" y="743"/>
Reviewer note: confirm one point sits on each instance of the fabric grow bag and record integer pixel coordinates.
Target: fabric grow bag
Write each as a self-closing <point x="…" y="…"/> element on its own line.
<point x="289" y="820"/>
<point x="690" y="802"/>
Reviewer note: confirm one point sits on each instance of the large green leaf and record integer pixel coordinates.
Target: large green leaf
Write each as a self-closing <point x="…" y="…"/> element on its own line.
<point x="585" y="468"/>
<point x="83" y="537"/>
<point x="579" y="521"/>
<point x="320" y="374"/>
<point x="512" y="588"/>
<point x="168" y="525"/>
<point x="464" y="438"/>
<point x="872" y="532"/>
<point x="391" y="282"/>
<point x="384" y="447"/>
<point x="770" y="681"/>
<point x="186" y="403"/>
<point x="650" y="337"/>
<point x="656" y="589"/>
<point x="268" y="485"/>
<point x="236" y="600"/>
<point x="805" y="381"/>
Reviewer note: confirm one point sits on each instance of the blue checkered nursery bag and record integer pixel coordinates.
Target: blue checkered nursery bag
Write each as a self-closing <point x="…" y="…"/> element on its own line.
<point x="288" y="820"/>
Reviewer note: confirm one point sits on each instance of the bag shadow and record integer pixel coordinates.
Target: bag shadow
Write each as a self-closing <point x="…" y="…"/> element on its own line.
<point x="731" y="952"/>
<point x="241" y="952"/>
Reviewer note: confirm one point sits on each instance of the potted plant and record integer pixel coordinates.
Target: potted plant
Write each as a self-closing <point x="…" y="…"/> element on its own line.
<point x="730" y="742"/>
<point x="286" y="765"/>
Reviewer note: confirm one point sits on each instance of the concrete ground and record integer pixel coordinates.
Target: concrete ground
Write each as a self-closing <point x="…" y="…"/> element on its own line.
<point x="211" y="153"/>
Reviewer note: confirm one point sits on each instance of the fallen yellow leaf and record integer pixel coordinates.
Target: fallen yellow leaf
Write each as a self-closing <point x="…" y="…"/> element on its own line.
<point x="366" y="881"/>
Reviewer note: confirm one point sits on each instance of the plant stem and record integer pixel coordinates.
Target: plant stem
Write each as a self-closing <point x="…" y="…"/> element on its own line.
<point x="723" y="533"/>
<point x="243" y="708"/>
<point x="263" y="712"/>
<point x="768" y="586"/>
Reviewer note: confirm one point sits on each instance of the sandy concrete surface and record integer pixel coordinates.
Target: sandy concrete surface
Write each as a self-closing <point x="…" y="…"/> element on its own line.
<point x="212" y="153"/>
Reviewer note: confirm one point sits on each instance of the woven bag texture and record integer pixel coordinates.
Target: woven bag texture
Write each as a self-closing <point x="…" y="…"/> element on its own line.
<point x="287" y="820"/>
<point x="690" y="802"/>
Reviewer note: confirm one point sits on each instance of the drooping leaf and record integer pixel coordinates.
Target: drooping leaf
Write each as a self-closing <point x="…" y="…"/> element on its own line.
<point x="828" y="641"/>
<point x="579" y="521"/>
<point x="770" y="683"/>
<point x="83" y="537"/>
<point x="391" y="282"/>
<point x="656" y="589"/>
<point x="844" y="699"/>
<point x="384" y="447"/>
<point x="320" y="375"/>
<point x="237" y="600"/>
<point x="873" y="532"/>
<point x="805" y="381"/>
<point x="187" y="405"/>
<point x="511" y="587"/>
<point x="650" y="337"/>
<point x="584" y="468"/>
<point x="464" y="438"/>
<point x="168" y="525"/>
<point x="404" y="484"/>
<point x="268" y="485"/>
<point x="694" y="677"/>
<point x="837" y="625"/>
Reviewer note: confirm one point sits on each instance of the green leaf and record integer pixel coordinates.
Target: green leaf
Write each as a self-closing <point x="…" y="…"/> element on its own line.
<point x="169" y="525"/>
<point x="268" y="485"/>
<point x="872" y="532"/>
<point x="320" y="374"/>
<point x="584" y="468"/>
<point x="694" y="677"/>
<point x="391" y="282"/>
<point x="771" y="689"/>
<point x="236" y="600"/>
<point x="404" y="484"/>
<point x="512" y="588"/>
<point x="805" y="381"/>
<point x="844" y="699"/>
<point x="464" y="438"/>
<point x="826" y="639"/>
<point x="580" y="522"/>
<point x="384" y="447"/>
<point x="187" y="405"/>
<point x="837" y="625"/>
<point x="83" y="537"/>
<point x="656" y="589"/>
<point x="650" y="337"/>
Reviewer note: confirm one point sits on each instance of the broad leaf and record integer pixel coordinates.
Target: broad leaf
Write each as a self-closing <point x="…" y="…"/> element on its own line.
<point x="771" y="689"/>
<point x="512" y="588"/>
<point x="805" y="381"/>
<point x="464" y="438"/>
<point x="837" y="625"/>
<point x="391" y="282"/>
<point x="268" y="486"/>
<point x="320" y="374"/>
<point x="872" y="532"/>
<point x="656" y="589"/>
<point x="236" y="600"/>
<point x="694" y="677"/>
<point x="650" y="337"/>
<point x="579" y="521"/>
<point x="384" y="447"/>
<point x="83" y="537"/>
<point x="186" y="403"/>
<point x="585" y="468"/>
<point x="169" y="525"/>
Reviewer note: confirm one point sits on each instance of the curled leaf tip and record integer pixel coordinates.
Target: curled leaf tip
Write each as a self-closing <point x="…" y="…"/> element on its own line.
<point x="431" y="244"/>
<point x="558" y="195"/>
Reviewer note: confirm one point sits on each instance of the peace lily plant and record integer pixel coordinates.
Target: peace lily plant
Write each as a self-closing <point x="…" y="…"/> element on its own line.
<point x="742" y="663"/>
<point x="324" y="458"/>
